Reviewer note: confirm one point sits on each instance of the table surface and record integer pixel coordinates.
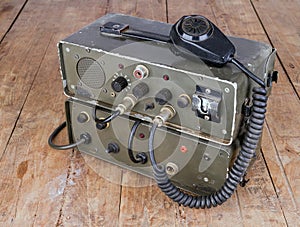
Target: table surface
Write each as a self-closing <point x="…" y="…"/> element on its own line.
<point x="44" y="187"/>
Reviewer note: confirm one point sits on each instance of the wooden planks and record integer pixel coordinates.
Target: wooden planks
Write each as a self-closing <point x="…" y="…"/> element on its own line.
<point x="27" y="159"/>
<point x="33" y="176"/>
<point x="42" y="187"/>
<point x="281" y="22"/>
<point x="283" y="156"/>
<point x="92" y="194"/>
<point x="9" y="11"/>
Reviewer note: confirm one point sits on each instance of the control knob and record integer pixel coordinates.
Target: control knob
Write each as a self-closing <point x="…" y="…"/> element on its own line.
<point x="163" y="96"/>
<point x="119" y="84"/>
<point x="140" y="90"/>
<point x="112" y="148"/>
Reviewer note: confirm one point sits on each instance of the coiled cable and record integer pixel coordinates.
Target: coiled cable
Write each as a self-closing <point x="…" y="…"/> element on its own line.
<point x="237" y="171"/>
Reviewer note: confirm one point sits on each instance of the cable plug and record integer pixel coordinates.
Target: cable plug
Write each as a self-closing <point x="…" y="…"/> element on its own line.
<point x="130" y="100"/>
<point x="167" y="112"/>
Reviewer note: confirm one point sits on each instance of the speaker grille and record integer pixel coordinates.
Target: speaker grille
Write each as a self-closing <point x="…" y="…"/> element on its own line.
<point x="90" y="72"/>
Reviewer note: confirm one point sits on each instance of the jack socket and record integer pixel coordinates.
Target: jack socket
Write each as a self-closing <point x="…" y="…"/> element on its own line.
<point x="140" y="72"/>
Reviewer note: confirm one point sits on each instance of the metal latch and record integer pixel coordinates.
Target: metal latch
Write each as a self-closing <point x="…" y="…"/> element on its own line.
<point x="205" y="103"/>
<point x="113" y="28"/>
<point x="123" y="30"/>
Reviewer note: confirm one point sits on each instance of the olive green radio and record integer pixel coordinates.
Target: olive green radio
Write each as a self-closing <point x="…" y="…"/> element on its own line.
<point x="182" y="103"/>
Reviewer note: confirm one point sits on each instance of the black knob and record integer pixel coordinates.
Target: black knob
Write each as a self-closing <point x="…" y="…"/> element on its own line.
<point x="140" y="90"/>
<point x="119" y="84"/>
<point x="183" y="101"/>
<point x="112" y="148"/>
<point x="163" y="96"/>
<point x="82" y="117"/>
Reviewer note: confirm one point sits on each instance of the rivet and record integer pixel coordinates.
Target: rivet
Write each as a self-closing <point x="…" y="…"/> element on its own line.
<point x="206" y="158"/>
<point x="207" y="91"/>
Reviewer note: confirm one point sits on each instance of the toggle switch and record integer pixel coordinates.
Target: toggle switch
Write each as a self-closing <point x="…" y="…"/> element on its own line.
<point x="112" y="148"/>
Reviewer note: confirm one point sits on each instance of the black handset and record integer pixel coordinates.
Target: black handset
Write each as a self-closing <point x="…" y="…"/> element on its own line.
<point x="201" y="37"/>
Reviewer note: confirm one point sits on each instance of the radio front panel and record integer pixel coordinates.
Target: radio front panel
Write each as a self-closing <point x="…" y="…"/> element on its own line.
<point x="89" y="74"/>
<point x="199" y="165"/>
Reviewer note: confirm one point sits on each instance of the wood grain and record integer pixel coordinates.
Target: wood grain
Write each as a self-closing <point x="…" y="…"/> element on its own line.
<point x="33" y="176"/>
<point x="43" y="187"/>
<point x="281" y="22"/>
<point x="92" y="195"/>
<point x="9" y="11"/>
<point x="31" y="84"/>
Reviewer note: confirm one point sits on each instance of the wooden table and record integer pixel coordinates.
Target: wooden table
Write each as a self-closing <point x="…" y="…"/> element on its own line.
<point x="43" y="187"/>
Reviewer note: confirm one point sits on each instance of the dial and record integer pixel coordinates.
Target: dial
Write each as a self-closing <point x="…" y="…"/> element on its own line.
<point x="121" y="82"/>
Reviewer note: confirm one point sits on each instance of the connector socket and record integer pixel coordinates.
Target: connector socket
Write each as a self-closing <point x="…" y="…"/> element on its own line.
<point x="167" y="112"/>
<point x="128" y="102"/>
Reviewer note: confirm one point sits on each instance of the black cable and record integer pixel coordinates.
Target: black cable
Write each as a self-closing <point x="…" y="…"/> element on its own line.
<point x="108" y="119"/>
<point x="151" y="147"/>
<point x="236" y="173"/>
<point x="83" y="139"/>
<point x="102" y="123"/>
<point x="140" y="157"/>
<point x="248" y="72"/>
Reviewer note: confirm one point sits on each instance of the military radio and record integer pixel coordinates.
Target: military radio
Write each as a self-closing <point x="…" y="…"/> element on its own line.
<point x="182" y="103"/>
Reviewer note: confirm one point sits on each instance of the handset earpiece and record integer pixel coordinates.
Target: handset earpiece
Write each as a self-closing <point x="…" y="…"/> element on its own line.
<point x="201" y="37"/>
<point x="197" y="35"/>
